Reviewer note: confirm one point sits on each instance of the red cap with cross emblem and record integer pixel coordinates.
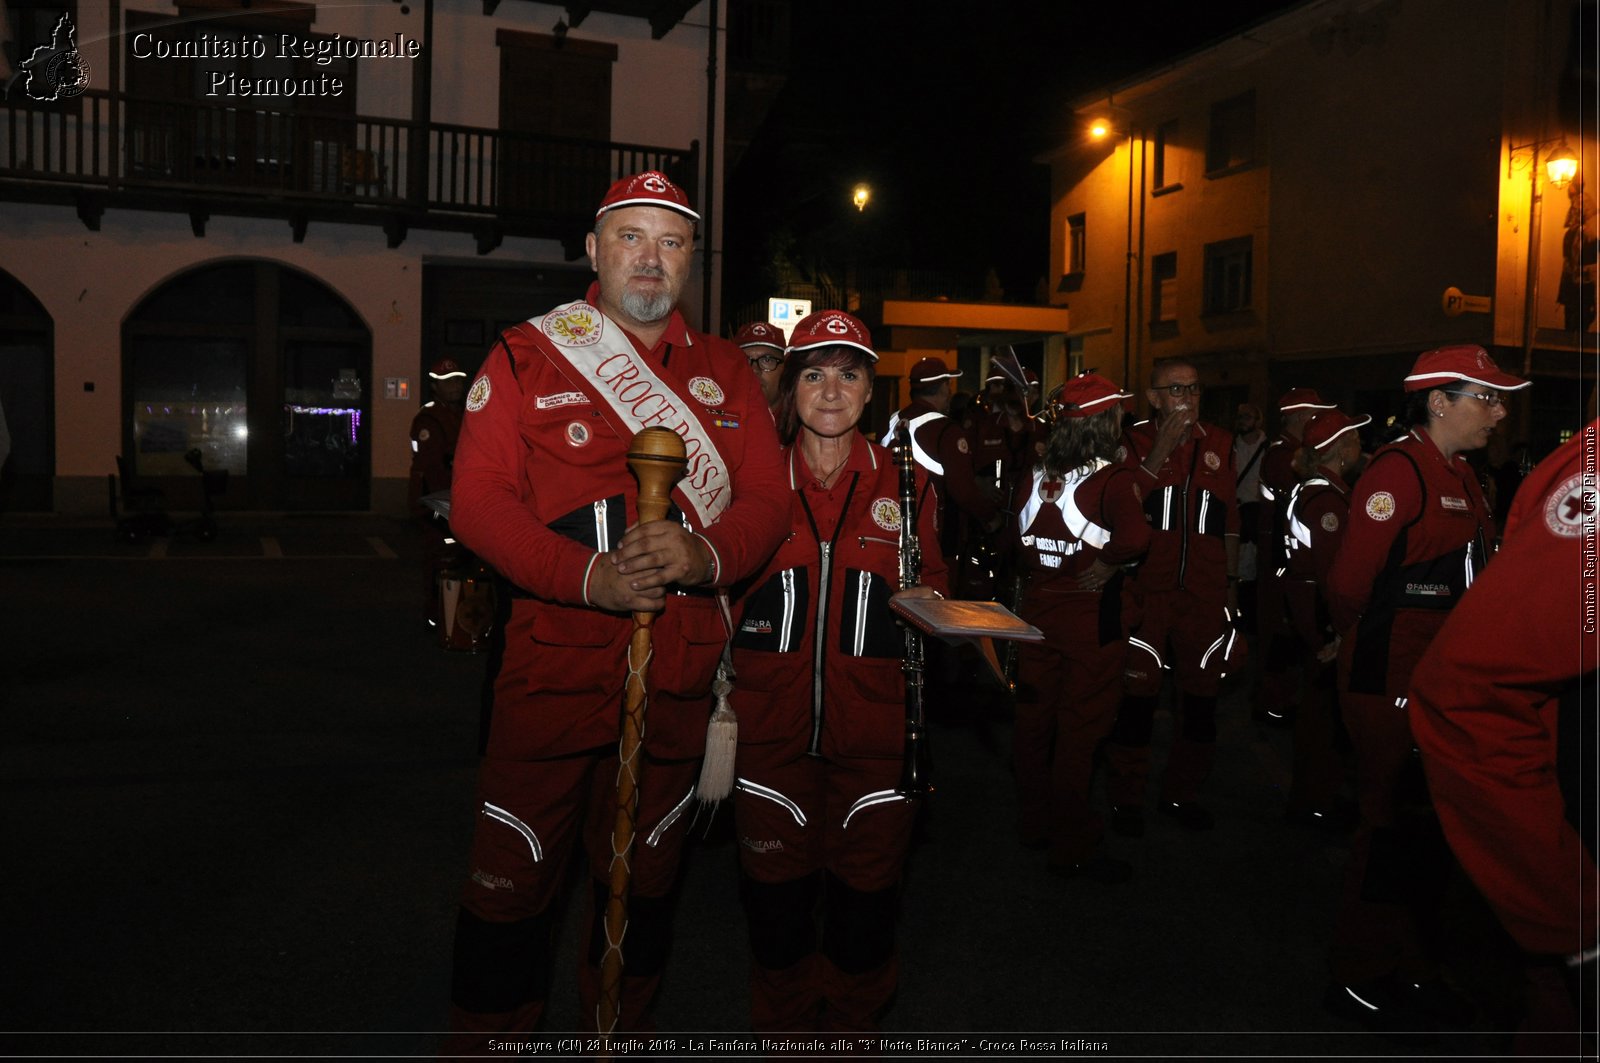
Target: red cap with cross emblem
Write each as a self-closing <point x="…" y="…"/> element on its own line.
<point x="649" y="189"/>
<point x="759" y="334"/>
<point x="1465" y="362"/>
<point x="831" y="328"/>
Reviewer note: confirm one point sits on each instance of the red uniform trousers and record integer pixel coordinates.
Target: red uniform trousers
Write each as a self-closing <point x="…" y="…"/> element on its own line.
<point x="1186" y="629"/>
<point x="829" y="835"/>
<point x="1068" y="689"/>
<point x="1377" y="931"/>
<point x="531" y="814"/>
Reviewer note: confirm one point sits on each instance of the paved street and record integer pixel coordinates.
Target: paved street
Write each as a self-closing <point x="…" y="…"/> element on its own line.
<point x="235" y="801"/>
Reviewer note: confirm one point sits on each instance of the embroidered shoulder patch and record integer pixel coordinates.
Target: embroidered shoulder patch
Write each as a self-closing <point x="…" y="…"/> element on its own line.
<point x="478" y="397"/>
<point x="1380" y="506"/>
<point x="963" y="446"/>
<point x="1212" y="461"/>
<point x="576" y="326"/>
<point x="706" y="390"/>
<point x="886" y="514"/>
<point x="422" y="435"/>
<point x="1330" y="522"/>
<point x="1569" y="508"/>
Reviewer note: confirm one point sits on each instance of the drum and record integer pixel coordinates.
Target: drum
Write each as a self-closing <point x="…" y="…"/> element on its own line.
<point x="466" y="607"/>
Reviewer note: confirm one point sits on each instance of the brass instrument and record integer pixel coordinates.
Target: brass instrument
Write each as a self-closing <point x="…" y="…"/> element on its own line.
<point x="915" y="764"/>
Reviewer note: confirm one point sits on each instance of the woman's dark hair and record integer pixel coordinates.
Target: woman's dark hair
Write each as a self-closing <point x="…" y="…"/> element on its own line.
<point x="836" y="356"/>
<point x="1416" y="413"/>
<point x="1075" y="441"/>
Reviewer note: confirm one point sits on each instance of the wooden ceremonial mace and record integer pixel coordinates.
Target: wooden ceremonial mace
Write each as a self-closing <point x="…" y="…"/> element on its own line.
<point x="657" y="459"/>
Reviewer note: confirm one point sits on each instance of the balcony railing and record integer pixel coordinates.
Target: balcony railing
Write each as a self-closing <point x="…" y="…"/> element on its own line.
<point x="203" y="156"/>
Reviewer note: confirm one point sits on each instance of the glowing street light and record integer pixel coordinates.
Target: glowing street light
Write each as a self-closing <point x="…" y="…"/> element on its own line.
<point x="1562" y="165"/>
<point x="860" y="195"/>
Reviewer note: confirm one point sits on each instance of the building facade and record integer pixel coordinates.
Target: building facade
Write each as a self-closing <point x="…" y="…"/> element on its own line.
<point x="248" y="228"/>
<point x="1318" y="199"/>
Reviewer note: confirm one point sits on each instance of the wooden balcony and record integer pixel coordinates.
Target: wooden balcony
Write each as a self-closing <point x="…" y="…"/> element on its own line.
<point x="201" y="159"/>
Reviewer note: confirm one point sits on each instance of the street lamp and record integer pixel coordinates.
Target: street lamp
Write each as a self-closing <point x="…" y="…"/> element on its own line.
<point x="859" y="195"/>
<point x="1562" y="165"/>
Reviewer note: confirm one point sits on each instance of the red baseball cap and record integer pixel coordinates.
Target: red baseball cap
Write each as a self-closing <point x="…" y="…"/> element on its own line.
<point x="1330" y="425"/>
<point x="1302" y="399"/>
<point x="831" y="328"/>
<point x="1088" y="394"/>
<point x="928" y="370"/>
<point x="445" y="368"/>
<point x="1465" y="361"/>
<point x="759" y="334"/>
<point x="649" y="189"/>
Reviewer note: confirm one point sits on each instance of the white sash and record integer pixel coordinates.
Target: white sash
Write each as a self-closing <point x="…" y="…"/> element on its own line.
<point x="923" y="458"/>
<point x="1076" y="521"/>
<point x="595" y="355"/>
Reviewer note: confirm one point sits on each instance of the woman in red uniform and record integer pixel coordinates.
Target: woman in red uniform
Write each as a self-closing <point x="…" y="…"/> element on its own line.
<point x="820" y="697"/>
<point x="1079" y="518"/>
<point x="1317" y="515"/>
<point x="1419" y="531"/>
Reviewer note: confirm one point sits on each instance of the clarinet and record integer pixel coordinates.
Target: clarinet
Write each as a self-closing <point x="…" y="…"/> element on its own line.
<point x="914" y="768"/>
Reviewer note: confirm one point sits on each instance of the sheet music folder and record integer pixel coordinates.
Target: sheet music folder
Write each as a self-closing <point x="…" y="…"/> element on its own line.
<point x="951" y="619"/>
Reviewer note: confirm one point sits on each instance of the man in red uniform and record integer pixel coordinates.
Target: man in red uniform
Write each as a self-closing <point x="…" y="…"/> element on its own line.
<point x="434" y="431"/>
<point x="763" y="345"/>
<point x="1278" y="676"/>
<point x="1317" y="515"/>
<point x="1185" y="591"/>
<point x="941" y="446"/>
<point x="1501" y="704"/>
<point x="1080" y="518"/>
<point x="543" y="493"/>
<point x="1418" y="535"/>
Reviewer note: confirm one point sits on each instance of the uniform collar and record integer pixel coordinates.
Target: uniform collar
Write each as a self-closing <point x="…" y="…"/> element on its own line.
<point x="1334" y="479"/>
<point x="863" y="458"/>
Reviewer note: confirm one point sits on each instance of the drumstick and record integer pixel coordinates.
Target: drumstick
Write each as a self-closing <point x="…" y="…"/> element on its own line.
<point x="657" y="460"/>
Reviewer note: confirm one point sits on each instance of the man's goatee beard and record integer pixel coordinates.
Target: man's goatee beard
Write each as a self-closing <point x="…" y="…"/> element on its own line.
<point x="647" y="308"/>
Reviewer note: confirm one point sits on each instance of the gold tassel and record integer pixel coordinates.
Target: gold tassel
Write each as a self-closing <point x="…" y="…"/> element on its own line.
<point x="722" y="743"/>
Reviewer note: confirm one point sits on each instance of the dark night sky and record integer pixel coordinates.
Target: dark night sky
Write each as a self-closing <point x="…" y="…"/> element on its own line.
<point x="941" y="108"/>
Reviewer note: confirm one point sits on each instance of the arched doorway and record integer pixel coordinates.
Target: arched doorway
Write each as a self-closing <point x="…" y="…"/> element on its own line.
<point x="264" y="369"/>
<point x="28" y="397"/>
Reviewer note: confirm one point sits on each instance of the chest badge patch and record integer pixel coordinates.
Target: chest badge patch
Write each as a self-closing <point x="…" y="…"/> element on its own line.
<point x="1569" y="508"/>
<point x="886" y="514"/>
<point x="578" y="434"/>
<point x="422" y="435"/>
<point x="478" y="397"/>
<point x="565" y="398"/>
<point x="706" y="390"/>
<point x="1380" y="506"/>
<point x="576" y="326"/>
<point x="963" y="446"/>
<point x="1049" y="490"/>
<point x="1330" y="522"/>
<point x="1212" y="461"/>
